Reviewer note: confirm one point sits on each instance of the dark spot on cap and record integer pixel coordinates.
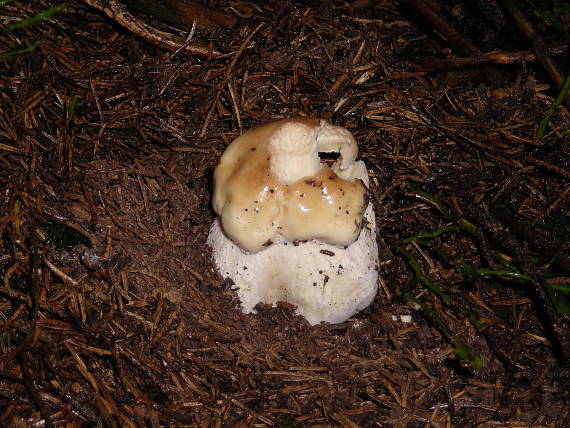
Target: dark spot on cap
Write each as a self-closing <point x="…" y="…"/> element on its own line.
<point x="253" y="149"/>
<point x="268" y="243"/>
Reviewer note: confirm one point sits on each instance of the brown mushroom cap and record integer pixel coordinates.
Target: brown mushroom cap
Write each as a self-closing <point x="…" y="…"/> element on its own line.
<point x="259" y="204"/>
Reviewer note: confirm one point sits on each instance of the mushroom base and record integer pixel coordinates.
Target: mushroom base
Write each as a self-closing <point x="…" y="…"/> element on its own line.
<point x="325" y="282"/>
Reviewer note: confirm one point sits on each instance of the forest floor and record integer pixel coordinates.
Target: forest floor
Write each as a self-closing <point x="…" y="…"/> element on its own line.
<point x="111" y="310"/>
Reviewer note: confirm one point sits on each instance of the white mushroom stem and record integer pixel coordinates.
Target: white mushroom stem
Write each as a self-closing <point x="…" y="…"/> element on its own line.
<point x="325" y="282"/>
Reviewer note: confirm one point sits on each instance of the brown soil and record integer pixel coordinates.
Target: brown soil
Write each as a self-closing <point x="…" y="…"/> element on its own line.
<point x="111" y="311"/>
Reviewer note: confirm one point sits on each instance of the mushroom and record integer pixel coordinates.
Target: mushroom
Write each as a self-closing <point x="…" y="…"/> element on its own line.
<point x="289" y="227"/>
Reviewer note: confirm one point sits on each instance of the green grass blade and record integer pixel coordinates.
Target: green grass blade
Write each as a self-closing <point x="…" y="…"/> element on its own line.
<point x="461" y="349"/>
<point x="434" y="234"/>
<point x="429" y="311"/>
<point x="466" y="353"/>
<point x="558" y="287"/>
<point x="422" y="278"/>
<point x="420" y="194"/>
<point x="559" y="296"/>
<point x="71" y="108"/>
<point x="34" y="19"/>
<point x="559" y="99"/>
<point x="20" y="51"/>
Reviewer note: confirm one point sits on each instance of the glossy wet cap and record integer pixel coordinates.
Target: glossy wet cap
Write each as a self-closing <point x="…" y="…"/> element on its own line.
<point x="270" y="186"/>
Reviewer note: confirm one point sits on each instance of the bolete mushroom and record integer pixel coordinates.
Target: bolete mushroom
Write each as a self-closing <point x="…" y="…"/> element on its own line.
<point x="289" y="227"/>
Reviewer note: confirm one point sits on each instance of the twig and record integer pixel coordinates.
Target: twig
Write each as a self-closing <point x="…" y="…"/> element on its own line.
<point x="549" y="166"/>
<point x="184" y="12"/>
<point x="29" y="384"/>
<point x="60" y="274"/>
<point x="442" y="26"/>
<point x="497" y="57"/>
<point x="452" y="36"/>
<point x="252" y="412"/>
<point x="538" y="45"/>
<point x="25" y="347"/>
<point x="115" y="10"/>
